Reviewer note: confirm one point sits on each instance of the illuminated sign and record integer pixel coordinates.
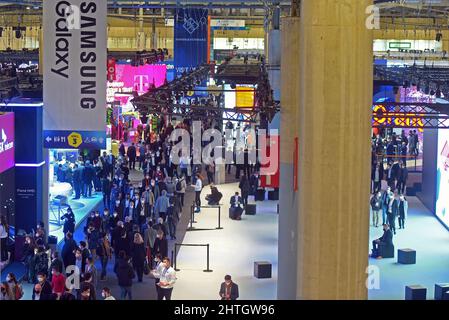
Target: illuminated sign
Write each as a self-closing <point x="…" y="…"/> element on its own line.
<point x="396" y="119"/>
<point x="129" y="79"/>
<point x="6" y="141"/>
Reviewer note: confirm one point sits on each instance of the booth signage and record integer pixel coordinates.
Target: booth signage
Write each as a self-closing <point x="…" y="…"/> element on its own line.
<point x="74" y="140"/>
<point x="75" y="56"/>
<point x="6" y="141"/>
<point x="191" y="32"/>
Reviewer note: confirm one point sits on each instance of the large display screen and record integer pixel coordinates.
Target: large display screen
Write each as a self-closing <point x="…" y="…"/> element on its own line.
<point x="442" y="190"/>
<point x="134" y="79"/>
<point x="6" y="141"/>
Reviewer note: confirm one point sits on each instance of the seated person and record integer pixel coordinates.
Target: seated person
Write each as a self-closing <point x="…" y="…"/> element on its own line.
<point x="215" y="196"/>
<point x="236" y="208"/>
<point x="386" y="240"/>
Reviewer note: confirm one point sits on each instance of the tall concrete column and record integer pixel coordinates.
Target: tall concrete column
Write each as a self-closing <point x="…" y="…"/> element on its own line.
<point x="141" y="33"/>
<point x="334" y="149"/>
<point x="288" y="198"/>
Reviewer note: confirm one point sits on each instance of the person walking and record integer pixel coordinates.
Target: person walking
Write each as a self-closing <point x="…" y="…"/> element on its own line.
<point x="198" y="188"/>
<point x="244" y="189"/>
<point x="376" y="207"/>
<point x="104" y="253"/>
<point x="138" y="255"/>
<point x="181" y="187"/>
<point x="402" y="211"/>
<point x="125" y="275"/>
<point x="106" y="294"/>
<point x="132" y="154"/>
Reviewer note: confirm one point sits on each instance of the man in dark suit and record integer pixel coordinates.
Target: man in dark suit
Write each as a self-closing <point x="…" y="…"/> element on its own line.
<point x="77" y="181"/>
<point x="42" y="290"/>
<point x="228" y="289"/>
<point x="396" y="169"/>
<point x="236" y="208"/>
<point x="88" y="177"/>
<point x="402" y="178"/>
<point x="385" y="240"/>
<point x="376" y="176"/>
<point x="132" y="154"/>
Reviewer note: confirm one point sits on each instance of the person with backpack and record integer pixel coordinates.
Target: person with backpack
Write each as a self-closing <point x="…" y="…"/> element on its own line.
<point x="181" y="186"/>
<point x="125" y="275"/>
<point x="172" y="218"/>
<point x="13" y="288"/>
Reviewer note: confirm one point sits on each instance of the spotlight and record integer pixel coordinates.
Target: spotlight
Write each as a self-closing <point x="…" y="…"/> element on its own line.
<point x="233" y="86"/>
<point x="438" y="37"/>
<point x="432" y="92"/>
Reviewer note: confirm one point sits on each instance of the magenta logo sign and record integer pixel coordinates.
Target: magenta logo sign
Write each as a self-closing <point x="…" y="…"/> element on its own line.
<point x="6" y="141"/>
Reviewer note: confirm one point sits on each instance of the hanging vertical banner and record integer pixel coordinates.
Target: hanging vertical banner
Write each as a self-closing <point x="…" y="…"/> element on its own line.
<point x="111" y="69"/>
<point x="191" y="35"/>
<point x="75" y="56"/>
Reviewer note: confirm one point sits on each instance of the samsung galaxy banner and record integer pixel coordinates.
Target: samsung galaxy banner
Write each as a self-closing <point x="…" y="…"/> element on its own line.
<point x="191" y="33"/>
<point x="75" y="50"/>
<point x="6" y="141"/>
<point x="442" y="190"/>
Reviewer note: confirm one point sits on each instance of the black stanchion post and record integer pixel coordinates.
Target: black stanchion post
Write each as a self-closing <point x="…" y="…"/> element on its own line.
<point x="208" y="269"/>
<point x="174" y="258"/>
<point x="219" y="218"/>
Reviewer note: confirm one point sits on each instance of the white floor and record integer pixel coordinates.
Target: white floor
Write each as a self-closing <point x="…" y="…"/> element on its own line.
<point x="233" y="251"/>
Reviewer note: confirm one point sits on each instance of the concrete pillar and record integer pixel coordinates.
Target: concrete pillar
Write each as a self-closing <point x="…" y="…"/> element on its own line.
<point x="334" y="120"/>
<point x="41" y="52"/>
<point x="141" y="33"/>
<point x="288" y="202"/>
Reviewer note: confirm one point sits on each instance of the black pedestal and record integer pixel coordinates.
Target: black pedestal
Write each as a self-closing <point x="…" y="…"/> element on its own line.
<point x="250" y="209"/>
<point x="406" y="256"/>
<point x="273" y="195"/>
<point x="262" y="269"/>
<point x="415" y="292"/>
<point x="260" y="195"/>
<point x="441" y="291"/>
<point x="386" y="251"/>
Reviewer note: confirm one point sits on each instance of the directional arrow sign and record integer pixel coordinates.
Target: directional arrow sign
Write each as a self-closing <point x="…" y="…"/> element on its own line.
<point x="48" y="139"/>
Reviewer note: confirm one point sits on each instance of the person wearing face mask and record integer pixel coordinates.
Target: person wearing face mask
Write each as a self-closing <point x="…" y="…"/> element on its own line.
<point x="68" y="250"/>
<point x="57" y="281"/>
<point x="42" y="290"/>
<point x="85" y="253"/>
<point x="106" y="294"/>
<point x="125" y="275"/>
<point x="27" y="256"/>
<point x="13" y="287"/>
<point x="376" y="207"/>
<point x="167" y="280"/>
<point x="148" y="201"/>
<point x="402" y="211"/>
<point x="106" y="221"/>
<point x="156" y="272"/>
<point x="93" y="238"/>
<point x="155" y="189"/>
<point x="69" y="221"/>
<point x="56" y="263"/>
<point x="104" y="252"/>
<point x="119" y="207"/>
<point x="40" y="261"/>
<point x="228" y="289"/>
<point x="161" y="244"/>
